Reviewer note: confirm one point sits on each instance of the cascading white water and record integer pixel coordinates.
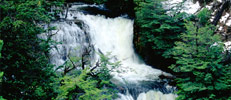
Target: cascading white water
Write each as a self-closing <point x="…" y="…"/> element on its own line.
<point x="113" y="35"/>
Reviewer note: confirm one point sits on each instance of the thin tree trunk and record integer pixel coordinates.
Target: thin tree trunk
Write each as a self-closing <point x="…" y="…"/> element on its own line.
<point x="225" y="5"/>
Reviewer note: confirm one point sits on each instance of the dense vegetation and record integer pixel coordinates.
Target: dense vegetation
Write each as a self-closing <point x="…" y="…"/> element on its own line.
<point x="201" y="65"/>
<point x="200" y="60"/>
<point x="195" y="53"/>
<point x="27" y="74"/>
<point x="25" y="69"/>
<point x="186" y="43"/>
<point x="86" y="84"/>
<point x="1" y="73"/>
<point x="156" y="31"/>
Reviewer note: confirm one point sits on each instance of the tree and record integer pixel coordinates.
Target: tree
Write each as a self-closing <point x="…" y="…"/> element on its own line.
<point x="27" y="72"/>
<point x="1" y="45"/>
<point x="90" y="83"/>
<point x="1" y="73"/>
<point x="156" y="31"/>
<point x="199" y="59"/>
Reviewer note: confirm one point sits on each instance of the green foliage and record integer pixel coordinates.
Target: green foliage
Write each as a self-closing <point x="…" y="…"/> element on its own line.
<point x="204" y="16"/>
<point x="157" y="29"/>
<point x="27" y="72"/>
<point x="2" y="98"/>
<point x="1" y="45"/>
<point x="199" y="59"/>
<point x="1" y="73"/>
<point x="81" y="87"/>
<point x="89" y="83"/>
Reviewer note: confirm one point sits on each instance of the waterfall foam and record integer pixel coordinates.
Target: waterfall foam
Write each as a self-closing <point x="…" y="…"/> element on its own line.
<point x="113" y="35"/>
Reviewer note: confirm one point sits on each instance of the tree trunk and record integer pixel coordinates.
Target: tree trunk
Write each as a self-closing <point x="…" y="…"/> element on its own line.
<point x="224" y="6"/>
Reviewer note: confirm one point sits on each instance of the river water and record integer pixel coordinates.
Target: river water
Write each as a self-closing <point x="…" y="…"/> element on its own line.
<point x="115" y="35"/>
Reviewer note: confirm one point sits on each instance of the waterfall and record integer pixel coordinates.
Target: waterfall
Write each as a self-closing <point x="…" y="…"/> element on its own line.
<point x="115" y="35"/>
